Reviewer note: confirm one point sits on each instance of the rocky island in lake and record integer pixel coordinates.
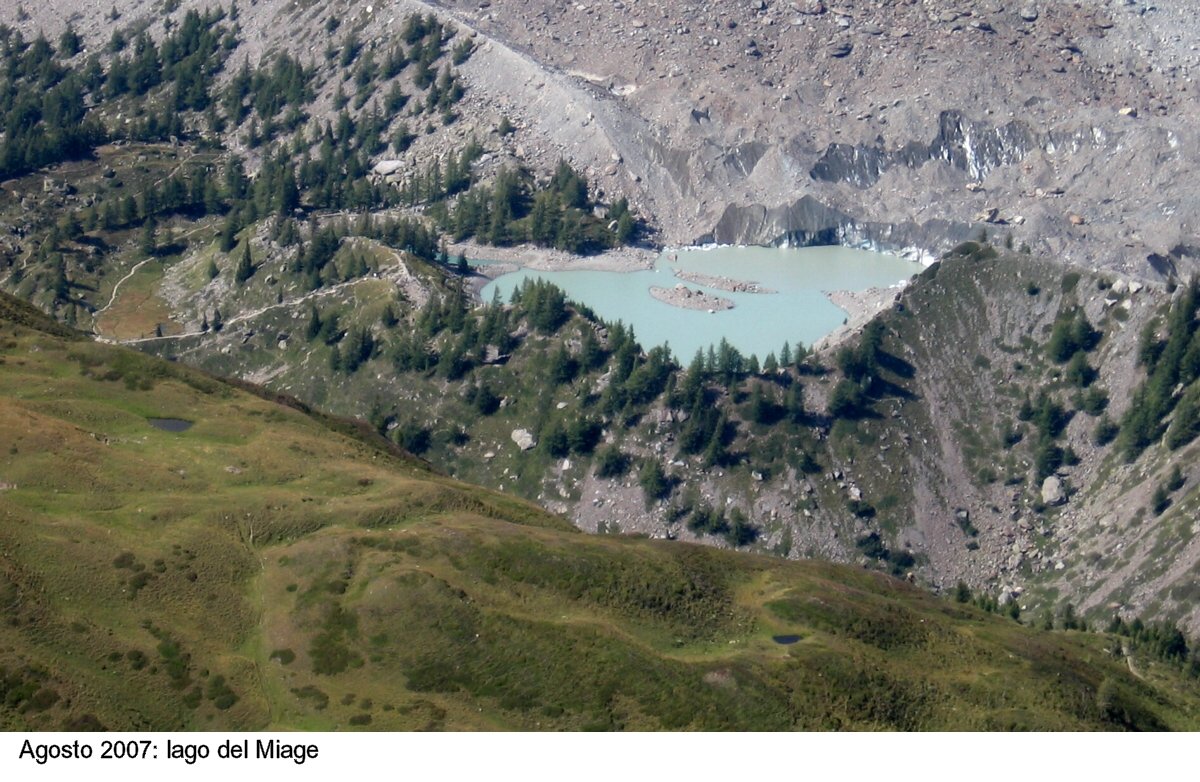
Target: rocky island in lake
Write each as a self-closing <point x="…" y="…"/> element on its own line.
<point x="686" y="298"/>
<point x="722" y="283"/>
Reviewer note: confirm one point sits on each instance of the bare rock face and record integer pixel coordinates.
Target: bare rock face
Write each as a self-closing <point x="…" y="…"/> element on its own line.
<point x="1052" y="491"/>
<point x="388" y="167"/>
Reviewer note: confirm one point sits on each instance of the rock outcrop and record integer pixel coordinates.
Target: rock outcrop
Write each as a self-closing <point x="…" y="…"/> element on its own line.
<point x="1052" y="491"/>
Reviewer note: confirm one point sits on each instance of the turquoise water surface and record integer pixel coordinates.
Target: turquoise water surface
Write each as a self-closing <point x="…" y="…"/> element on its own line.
<point x="759" y="324"/>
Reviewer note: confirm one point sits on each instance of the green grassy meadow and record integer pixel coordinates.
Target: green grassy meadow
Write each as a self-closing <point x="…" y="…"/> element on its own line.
<point x="274" y="568"/>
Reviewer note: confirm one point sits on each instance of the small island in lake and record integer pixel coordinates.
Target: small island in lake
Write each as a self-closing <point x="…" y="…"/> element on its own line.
<point x="685" y="298"/>
<point x="722" y="283"/>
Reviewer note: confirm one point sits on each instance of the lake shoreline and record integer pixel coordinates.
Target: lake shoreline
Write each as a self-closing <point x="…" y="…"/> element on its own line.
<point x="860" y="307"/>
<point x="506" y="260"/>
<point x="823" y="293"/>
<point x="547" y="259"/>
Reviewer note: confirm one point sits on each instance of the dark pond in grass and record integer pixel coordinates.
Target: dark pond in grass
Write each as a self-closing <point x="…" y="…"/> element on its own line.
<point x="786" y="640"/>
<point x="170" y="424"/>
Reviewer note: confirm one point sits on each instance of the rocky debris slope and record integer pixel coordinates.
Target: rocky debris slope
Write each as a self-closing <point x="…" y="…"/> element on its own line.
<point x="887" y="124"/>
<point x="906" y="126"/>
<point x="1087" y="533"/>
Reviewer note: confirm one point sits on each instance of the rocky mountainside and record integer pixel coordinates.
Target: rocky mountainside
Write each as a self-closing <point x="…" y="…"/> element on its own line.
<point x="945" y="470"/>
<point x="301" y="202"/>
<point x="899" y="125"/>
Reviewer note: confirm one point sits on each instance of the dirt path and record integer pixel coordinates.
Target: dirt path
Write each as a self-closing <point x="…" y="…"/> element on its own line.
<point x="245" y="316"/>
<point x="399" y="274"/>
<point x="1129" y="661"/>
<point x="116" y="288"/>
<point x="178" y="167"/>
<point x="24" y="264"/>
<point x="252" y="314"/>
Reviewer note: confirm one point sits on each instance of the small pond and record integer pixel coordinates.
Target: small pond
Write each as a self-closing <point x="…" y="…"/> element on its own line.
<point x="170" y="424"/>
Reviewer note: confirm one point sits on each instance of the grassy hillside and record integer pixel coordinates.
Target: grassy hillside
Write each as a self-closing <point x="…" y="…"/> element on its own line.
<point x="283" y="221"/>
<point x="262" y="570"/>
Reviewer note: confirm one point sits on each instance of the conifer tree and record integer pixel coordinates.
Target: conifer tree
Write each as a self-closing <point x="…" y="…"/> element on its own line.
<point x="245" y="267"/>
<point x="314" y="324"/>
<point x="653" y="480"/>
<point x="715" y="453"/>
<point x="554" y="439"/>
<point x="795" y="403"/>
<point x="149" y="241"/>
<point x="562" y="367"/>
<point x="1160" y="501"/>
<point x="289" y="192"/>
<point x="590" y="353"/>
<point x="228" y="236"/>
<point x="625" y="229"/>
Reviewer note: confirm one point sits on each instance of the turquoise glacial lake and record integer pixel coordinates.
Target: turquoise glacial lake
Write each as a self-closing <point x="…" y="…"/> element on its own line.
<point x="760" y="323"/>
